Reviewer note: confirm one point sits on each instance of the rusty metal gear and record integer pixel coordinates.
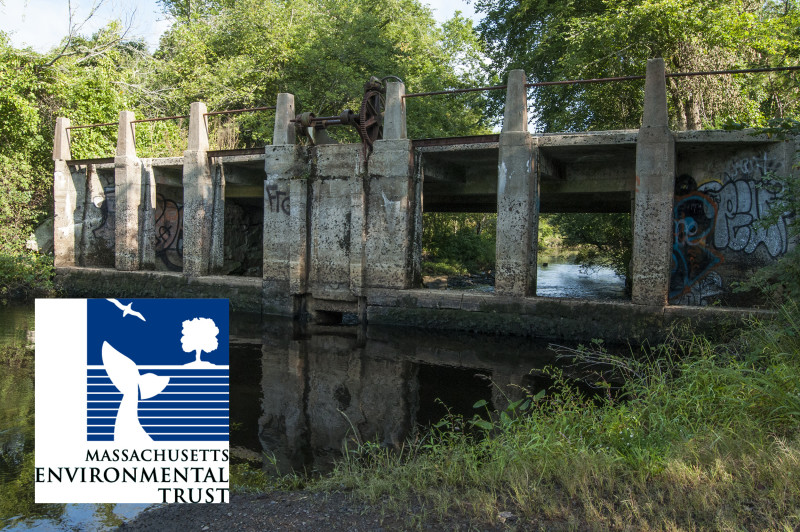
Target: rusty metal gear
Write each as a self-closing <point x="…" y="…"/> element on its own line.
<point x="370" y="117"/>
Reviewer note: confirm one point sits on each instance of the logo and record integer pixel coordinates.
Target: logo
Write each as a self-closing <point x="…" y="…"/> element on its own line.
<point x="132" y="400"/>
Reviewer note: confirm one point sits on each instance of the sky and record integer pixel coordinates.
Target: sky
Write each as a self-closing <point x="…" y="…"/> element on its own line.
<point x="41" y="24"/>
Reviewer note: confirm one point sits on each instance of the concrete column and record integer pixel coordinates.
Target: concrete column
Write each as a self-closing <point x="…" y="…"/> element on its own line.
<point x="517" y="197"/>
<point x="394" y="119"/>
<point x="200" y="203"/>
<point x="285" y="266"/>
<point x="390" y="209"/>
<point x="148" y="230"/>
<point x="65" y="196"/>
<point x="284" y="133"/>
<point x="129" y="194"/>
<point x="655" y="185"/>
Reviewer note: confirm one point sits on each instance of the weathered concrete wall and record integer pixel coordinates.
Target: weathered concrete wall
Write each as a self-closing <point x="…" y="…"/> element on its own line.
<point x="338" y="178"/>
<point x="244" y="293"/>
<point x="553" y="318"/>
<point x="723" y="196"/>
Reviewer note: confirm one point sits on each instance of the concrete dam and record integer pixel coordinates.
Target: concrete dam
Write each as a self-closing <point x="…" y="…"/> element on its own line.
<point x="333" y="231"/>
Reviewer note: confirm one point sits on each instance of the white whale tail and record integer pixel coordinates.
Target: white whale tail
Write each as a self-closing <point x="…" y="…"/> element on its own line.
<point x="125" y="376"/>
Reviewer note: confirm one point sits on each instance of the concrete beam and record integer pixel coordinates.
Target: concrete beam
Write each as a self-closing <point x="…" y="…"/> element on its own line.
<point x="129" y="192"/>
<point x="517" y="197"/>
<point x="203" y="200"/>
<point x="655" y="186"/>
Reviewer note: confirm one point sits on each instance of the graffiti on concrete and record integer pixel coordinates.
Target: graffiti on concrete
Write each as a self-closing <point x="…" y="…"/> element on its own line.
<point x="169" y="233"/>
<point x="280" y="199"/>
<point x="693" y="254"/>
<point x="721" y="216"/>
<point x="745" y="198"/>
<point x="107" y="205"/>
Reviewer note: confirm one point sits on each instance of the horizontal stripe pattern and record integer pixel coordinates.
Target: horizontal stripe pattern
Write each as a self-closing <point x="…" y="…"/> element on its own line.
<point x="192" y="407"/>
<point x="166" y="437"/>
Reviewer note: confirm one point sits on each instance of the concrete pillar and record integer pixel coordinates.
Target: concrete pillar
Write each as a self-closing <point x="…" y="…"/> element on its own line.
<point x="200" y="202"/>
<point x="655" y="185"/>
<point x="284" y="133"/>
<point x="65" y="196"/>
<point x="517" y="197"/>
<point x="394" y="119"/>
<point x="129" y="194"/>
<point x="148" y="231"/>
<point x="390" y="215"/>
<point x="285" y="266"/>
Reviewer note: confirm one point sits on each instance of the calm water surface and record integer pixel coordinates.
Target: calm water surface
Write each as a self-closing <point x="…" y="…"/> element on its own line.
<point x="302" y="394"/>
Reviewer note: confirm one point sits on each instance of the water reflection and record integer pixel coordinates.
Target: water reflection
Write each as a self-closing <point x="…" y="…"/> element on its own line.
<point x="322" y="388"/>
<point x="299" y="395"/>
<point x="17" y="508"/>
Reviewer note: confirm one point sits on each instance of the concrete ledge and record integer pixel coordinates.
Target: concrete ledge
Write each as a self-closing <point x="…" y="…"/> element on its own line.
<point x="599" y="138"/>
<point x="540" y="317"/>
<point x="574" y="320"/>
<point x="244" y="293"/>
<point x="716" y="136"/>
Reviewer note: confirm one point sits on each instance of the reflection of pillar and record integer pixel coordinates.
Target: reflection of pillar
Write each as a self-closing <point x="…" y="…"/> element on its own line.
<point x="655" y="184"/>
<point x="285" y="267"/>
<point x="203" y="202"/>
<point x="391" y="202"/>
<point x="350" y="390"/>
<point x="283" y="427"/>
<point x="68" y="200"/>
<point x="128" y="194"/>
<point x="517" y="197"/>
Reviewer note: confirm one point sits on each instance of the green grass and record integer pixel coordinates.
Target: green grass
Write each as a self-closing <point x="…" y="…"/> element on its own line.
<point x="698" y="436"/>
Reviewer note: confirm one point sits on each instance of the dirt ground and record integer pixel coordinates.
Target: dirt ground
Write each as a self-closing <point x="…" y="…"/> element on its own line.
<point x="304" y="511"/>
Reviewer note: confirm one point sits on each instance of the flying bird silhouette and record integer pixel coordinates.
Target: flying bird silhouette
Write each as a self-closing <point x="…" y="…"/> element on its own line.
<point x="126" y="309"/>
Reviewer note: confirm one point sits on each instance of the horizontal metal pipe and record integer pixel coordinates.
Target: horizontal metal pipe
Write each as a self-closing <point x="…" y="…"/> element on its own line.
<point x="742" y="71"/>
<point x="95" y="125"/>
<point x="235" y="111"/>
<point x="455" y="91"/>
<point x="158" y="119"/>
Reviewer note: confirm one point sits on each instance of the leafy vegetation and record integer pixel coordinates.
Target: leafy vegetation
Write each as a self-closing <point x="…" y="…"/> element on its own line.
<point x="457" y="244"/>
<point x="555" y="41"/>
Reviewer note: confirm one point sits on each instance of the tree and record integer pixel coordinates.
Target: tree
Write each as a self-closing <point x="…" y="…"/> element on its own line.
<point x="241" y="54"/>
<point x="603" y="38"/>
<point x="199" y="334"/>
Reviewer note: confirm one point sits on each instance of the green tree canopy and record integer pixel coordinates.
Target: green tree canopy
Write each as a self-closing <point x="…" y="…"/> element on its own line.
<point x="242" y="54"/>
<point x="553" y="40"/>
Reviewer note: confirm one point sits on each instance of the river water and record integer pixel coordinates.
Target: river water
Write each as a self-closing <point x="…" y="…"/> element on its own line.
<point x="300" y="394"/>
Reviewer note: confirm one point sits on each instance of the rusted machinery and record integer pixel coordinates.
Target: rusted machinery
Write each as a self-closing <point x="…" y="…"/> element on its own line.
<point x="368" y="122"/>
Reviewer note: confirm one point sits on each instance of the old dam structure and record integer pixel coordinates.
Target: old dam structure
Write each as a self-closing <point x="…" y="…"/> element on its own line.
<point x="333" y="231"/>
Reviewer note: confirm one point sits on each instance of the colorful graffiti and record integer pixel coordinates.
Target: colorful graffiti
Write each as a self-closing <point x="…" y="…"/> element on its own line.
<point x="169" y="233"/>
<point x="693" y="257"/>
<point x="719" y="217"/>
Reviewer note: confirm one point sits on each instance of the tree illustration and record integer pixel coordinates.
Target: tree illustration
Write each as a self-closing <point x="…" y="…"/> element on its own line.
<point x="199" y="334"/>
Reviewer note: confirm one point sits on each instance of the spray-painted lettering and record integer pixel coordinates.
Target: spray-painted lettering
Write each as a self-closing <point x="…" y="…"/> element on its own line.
<point x="278" y="199"/>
